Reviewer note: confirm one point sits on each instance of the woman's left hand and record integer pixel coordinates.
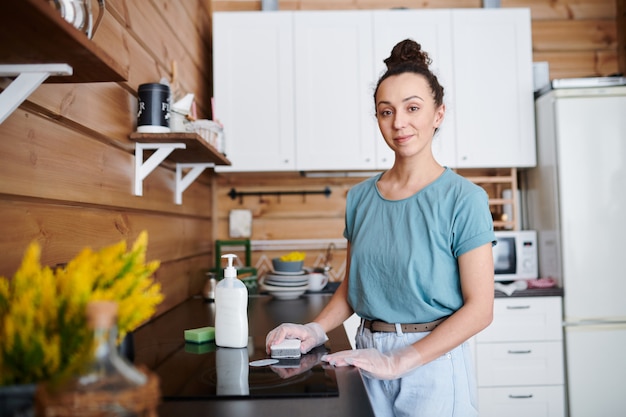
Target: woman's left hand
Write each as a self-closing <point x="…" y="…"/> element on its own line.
<point x="387" y="365"/>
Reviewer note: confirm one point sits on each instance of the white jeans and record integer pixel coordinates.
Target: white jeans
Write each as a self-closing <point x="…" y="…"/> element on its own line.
<point x="444" y="387"/>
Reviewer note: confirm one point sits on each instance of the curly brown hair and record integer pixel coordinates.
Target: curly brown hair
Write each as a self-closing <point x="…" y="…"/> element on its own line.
<point x="408" y="56"/>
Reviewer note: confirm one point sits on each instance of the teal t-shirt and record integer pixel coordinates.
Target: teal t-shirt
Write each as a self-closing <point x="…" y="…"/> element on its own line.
<point x="403" y="266"/>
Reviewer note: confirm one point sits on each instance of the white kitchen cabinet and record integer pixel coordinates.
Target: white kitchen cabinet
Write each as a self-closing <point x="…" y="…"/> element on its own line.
<point x="493" y="84"/>
<point x="253" y="89"/>
<point x="294" y="90"/>
<point x="432" y="30"/>
<point x="483" y="59"/>
<point x="519" y="359"/>
<point x="333" y="64"/>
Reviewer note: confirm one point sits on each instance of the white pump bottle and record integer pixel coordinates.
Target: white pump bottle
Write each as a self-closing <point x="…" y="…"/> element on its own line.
<point x="231" y="309"/>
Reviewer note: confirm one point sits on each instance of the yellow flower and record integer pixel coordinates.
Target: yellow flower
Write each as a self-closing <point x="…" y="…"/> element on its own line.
<point x="43" y="329"/>
<point x="293" y="257"/>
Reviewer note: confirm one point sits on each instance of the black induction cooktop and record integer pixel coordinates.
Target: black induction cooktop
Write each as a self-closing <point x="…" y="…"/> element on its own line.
<point x="207" y="371"/>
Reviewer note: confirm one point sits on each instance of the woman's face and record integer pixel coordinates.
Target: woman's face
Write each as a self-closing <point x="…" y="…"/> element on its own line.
<point x="407" y="114"/>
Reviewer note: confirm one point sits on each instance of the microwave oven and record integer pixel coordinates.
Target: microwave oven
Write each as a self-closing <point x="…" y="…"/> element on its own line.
<point x="515" y="255"/>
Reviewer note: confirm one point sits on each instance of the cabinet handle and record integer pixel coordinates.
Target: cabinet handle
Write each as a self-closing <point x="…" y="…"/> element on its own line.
<point x="517" y="307"/>
<point x="519" y="352"/>
<point x="520" y="397"/>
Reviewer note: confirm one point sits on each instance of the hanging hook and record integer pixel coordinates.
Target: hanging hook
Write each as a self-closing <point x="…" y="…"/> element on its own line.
<point x="234" y="194"/>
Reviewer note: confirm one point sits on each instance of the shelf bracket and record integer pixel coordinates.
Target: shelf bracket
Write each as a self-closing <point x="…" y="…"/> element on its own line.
<point x="143" y="169"/>
<point x="29" y="78"/>
<point x="184" y="181"/>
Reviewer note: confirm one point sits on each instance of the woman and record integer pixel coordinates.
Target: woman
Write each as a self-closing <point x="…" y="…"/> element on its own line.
<point x="420" y="264"/>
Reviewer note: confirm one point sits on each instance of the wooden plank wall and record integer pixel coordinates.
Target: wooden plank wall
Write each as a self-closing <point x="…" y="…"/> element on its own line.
<point x="67" y="165"/>
<point x="578" y="38"/>
<point x="297" y="217"/>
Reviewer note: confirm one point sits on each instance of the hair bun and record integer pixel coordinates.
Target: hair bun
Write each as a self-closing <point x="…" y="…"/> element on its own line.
<point x="408" y="57"/>
<point x="407" y="52"/>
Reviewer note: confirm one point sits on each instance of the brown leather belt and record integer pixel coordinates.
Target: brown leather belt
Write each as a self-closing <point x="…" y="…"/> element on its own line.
<point x="381" y="326"/>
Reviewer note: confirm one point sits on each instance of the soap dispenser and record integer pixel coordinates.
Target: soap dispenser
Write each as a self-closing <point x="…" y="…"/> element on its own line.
<point x="231" y="309"/>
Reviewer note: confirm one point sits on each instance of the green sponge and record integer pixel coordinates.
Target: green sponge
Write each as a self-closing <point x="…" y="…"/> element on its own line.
<point x="200" y="335"/>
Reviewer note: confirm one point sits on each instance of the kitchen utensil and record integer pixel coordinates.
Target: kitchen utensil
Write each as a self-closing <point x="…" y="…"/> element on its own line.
<point x="288" y="274"/>
<point x="287" y="266"/>
<point x="79" y="14"/>
<point x="327" y="260"/>
<point x="278" y="280"/>
<point x="208" y="292"/>
<point x="269" y="281"/>
<point x="317" y="281"/>
<point x="211" y="132"/>
<point x="153" y="113"/>
<point x="283" y="293"/>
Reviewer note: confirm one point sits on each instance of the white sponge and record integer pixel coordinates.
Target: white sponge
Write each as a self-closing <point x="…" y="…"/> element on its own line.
<point x="288" y="348"/>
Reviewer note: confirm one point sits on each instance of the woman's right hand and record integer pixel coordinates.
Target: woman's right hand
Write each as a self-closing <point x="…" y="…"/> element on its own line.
<point x="310" y="335"/>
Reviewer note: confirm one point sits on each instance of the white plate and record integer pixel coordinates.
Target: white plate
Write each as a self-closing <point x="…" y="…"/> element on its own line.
<point x="269" y="287"/>
<point x="289" y="273"/>
<point x="288" y="295"/>
<point x="287" y="279"/>
<point x="298" y="283"/>
<point x="283" y="293"/>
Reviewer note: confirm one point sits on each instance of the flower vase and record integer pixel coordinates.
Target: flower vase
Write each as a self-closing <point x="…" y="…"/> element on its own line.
<point x="17" y="400"/>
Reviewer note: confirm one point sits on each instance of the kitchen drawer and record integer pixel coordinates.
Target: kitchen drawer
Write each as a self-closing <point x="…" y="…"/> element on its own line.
<point x="524" y="319"/>
<point x="525" y="363"/>
<point x="522" y="402"/>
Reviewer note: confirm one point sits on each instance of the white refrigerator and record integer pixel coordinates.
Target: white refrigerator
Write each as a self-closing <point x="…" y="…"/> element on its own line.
<point x="576" y="199"/>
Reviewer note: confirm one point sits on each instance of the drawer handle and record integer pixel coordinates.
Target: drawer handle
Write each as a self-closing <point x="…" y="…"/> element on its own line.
<point x="520" y="397"/>
<point x="519" y="352"/>
<point x="517" y="307"/>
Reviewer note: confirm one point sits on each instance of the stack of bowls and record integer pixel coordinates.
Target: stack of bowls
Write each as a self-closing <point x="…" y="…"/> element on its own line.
<point x="287" y="280"/>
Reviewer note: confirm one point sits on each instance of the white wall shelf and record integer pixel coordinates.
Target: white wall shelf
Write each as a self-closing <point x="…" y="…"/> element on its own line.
<point x="189" y="151"/>
<point x="29" y="77"/>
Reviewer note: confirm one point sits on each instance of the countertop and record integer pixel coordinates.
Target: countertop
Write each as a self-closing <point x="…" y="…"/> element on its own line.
<point x="533" y="292"/>
<point x="158" y="341"/>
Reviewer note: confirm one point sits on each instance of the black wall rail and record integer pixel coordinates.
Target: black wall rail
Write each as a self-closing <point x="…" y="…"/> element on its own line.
<point x="234" y="194"/>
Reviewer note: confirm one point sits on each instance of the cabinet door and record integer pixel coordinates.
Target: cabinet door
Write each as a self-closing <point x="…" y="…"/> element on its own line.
<point x="518" y="319"/>
<point x="494" y="88"/>
<point x="432" y="30"/>
<point x="521" y="363"/>
<point x="596" y="387"/>
<point x="253" y="89"/>
<point x="547" y="401"/>
<point x="333" y="74"/>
